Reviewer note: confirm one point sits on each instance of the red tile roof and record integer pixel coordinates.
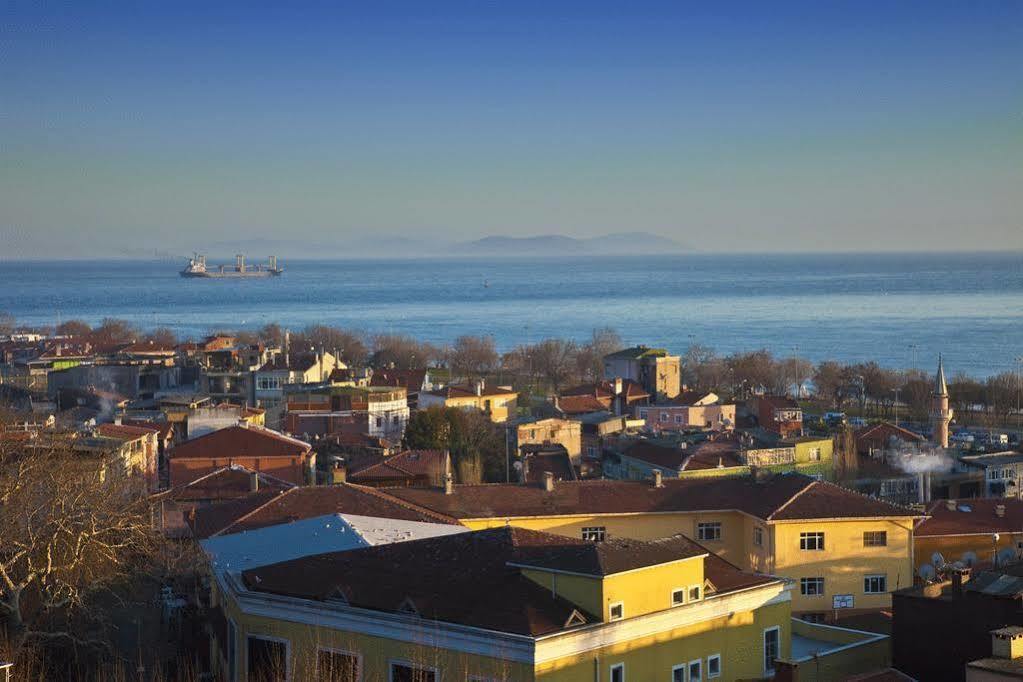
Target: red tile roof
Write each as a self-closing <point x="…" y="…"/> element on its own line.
<point x="240" y="441"/>
<point x="605" y="389"/>
<point x="262" y="509"/>
<point x="411" y="379"/>
<point x="663" y="456"/>
<point x="980" y="520"/>
<point x="223" y="484"/>
<point x="125" y="432"/>
<point x="462" y="391"/>
<point x="582" y="404"/>
<point x="407" y="464"/>
<point x="615" y="555"/>
<point x="163" y="428"/>
<point x="788" y="496"/>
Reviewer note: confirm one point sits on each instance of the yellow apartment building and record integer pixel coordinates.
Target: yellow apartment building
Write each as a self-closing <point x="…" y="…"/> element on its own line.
<point x="498" y="403"/>
<point x="843" y="552"/>
<point x="503" y="604"/>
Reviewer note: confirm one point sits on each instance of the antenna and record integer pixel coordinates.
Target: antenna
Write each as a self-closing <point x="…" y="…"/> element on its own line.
<point x="970" y="559"/>
<point x="927" y="572"/>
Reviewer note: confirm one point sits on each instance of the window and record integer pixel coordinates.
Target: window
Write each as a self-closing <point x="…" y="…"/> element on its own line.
<point x="772" y="648"/>
<point x="380" y="422"/>
<point x="875" y="538"/>
<point x="694" y="593"/>
<point x="811" y="541"/>
<point x="232" y="651"/>
<point x="678" y="419"/>
<point x="643" y="414"/>
<point x="664" y="416"/>
<point x="695" y="671"/>
<point x="758" y="536"/>
<point x="708" y="531"/>
<point x="618" y="672"/>
<point x="406" y="672"/>
<point x="815" y="454"/>
<point x="616" y="611"/>
<point x="337" y="666"/>
<point x="714" y="666"/>
<point x="875" y="584"/>
<point x="267" y="660"/>
<point x="594" y="533"/>
<point x="678" y="597"/>
<point x="678" y="673"/>
<point x="811" y="587"/>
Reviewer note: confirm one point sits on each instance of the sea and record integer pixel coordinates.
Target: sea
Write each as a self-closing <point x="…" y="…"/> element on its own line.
<point x="900" y="310"/>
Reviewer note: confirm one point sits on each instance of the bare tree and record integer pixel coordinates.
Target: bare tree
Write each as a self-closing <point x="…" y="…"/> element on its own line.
<point x="112" y="330"/>
<point x="6" y="322"/>
<point x="64" y="539"/>
<point x="330" y="339"/>
<point x="554" y="360"/>
<point x="162" y="336"/>
<point x="590" y="357"/>
<point x="402" y="351"/>
<point x="473" y="356"/>
<point x="75" y="328"/>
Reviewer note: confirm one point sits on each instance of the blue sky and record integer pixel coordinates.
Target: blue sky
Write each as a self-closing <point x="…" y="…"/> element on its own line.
<point x="726" y="126"/>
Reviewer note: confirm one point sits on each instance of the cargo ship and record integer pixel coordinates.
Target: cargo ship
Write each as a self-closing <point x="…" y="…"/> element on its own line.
<point x="197" y="268"/>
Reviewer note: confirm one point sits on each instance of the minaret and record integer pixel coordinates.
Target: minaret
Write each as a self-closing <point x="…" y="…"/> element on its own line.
<point x="941" y="415"/>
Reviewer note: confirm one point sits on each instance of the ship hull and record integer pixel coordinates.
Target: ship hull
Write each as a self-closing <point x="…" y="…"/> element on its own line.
<point x="250" y="274"/>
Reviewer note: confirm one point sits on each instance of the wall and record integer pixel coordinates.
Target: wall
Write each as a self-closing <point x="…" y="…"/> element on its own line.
<point x="554" y="431"/>
<point x="844" y="560"/>
<point x="737" y="638"/>
<point x="853" y="652"/>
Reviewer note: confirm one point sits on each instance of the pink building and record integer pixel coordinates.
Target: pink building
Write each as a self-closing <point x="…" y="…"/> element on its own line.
<point x="691" y="410"/>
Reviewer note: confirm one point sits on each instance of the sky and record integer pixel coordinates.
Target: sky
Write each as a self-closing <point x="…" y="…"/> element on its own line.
<point x="782" y="126"/>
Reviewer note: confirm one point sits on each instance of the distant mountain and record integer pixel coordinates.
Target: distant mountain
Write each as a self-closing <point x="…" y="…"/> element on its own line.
<point x="626" y="243"/>
<point x="416" y="246"/>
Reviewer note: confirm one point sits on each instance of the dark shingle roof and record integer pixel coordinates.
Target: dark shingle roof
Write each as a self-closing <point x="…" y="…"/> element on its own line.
<point x="614" y="556"/>
<point x="262" y="509"/>
<point x="789" y="496"/>
<point x="240" y="441"/>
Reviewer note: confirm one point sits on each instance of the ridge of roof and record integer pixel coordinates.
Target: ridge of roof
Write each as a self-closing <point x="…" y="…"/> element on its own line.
<point x="411" y="506"/>
<point x="269" y="500"/>
<point x="791" y="500"/>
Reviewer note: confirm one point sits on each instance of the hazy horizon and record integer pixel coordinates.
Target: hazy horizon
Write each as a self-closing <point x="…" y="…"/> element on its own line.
<point x="783" y="128"/>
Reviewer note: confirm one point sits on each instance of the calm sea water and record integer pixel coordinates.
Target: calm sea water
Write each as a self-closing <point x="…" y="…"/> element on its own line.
<point x="900" y="310"/>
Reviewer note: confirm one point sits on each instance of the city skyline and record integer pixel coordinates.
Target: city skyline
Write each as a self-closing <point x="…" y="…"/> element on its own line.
<point x="795" y="128"/>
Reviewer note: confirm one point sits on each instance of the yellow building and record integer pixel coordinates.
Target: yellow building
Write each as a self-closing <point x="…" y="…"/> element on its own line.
<point x="502" y="604"/>
<point x="973" y="531"/>
<point x="842" y="550"/>
<point x="497" y="403"/>
<point x="552" y="431"/>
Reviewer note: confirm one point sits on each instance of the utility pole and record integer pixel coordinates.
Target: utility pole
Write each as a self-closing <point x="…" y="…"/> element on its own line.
<point x="896" y="392"/>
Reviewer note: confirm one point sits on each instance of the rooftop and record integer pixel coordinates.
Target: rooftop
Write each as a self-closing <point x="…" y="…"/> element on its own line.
<point x="782" y="497"/>
<point x="235" y="441"/>
<point x="637" y="353"/>
<point x="975" y="516"/>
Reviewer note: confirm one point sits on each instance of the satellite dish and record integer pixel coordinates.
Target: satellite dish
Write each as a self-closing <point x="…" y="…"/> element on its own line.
<point x="970" y="559"/>
<point x="927" y="572"/>
<point x="937" y="559"/>
<point x="1006" y="555"/>
<point x="958" y="566"/>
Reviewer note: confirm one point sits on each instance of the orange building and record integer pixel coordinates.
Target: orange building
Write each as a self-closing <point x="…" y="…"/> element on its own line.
<point x="253" y="447"/>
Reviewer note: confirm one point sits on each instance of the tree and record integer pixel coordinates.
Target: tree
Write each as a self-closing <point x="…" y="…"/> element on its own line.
<point x="965" y="392"/>
<point x="554" y="360"/>
<point x="64" y="541"/>
<point x="590" y="358"/>
<point x="271" y="335"/>
<point x="349" y="344"/>
<point x="113" y="331"/>
<point x="831" y="380"/>
<point x="476" y="444"/>
<point x="1002" y="393"/>
<point x="402" y="351"/>
<point x="791" y="374"/>
<point x="751" y="371"/>
<point x="473" y="356"/>
<point x="916" y="391"/>
<point x="162" y="336"/>
<point x="74" y="328"/>
<point x="6" y="322"/>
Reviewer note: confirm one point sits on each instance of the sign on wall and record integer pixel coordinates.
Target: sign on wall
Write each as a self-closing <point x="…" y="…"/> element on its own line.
<point x="842" y="601"/>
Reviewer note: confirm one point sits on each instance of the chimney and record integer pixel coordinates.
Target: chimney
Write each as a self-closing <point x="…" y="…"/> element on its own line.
<point x="921" y="485"/>
<point x="1007" y="643"/>
<point x="548" y="481"/>
<point x="1000" y="510"/>
<point x="339" y="474"/>
<point x="480" y="385"/>
<point x="950" y="505"/>
<point x="253" y="481"/>
<point x="117" y="421"/>
<point x="658" y="481"/>
<point x="618" y="385"/>
<point x="959" y="577"/>
<point x="449" y="485"/>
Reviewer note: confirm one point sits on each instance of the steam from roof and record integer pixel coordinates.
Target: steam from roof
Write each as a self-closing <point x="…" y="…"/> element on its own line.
<point x="919" y="458"/>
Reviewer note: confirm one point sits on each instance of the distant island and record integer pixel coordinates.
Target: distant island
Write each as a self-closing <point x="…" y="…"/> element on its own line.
<point x="495" y="246"/>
